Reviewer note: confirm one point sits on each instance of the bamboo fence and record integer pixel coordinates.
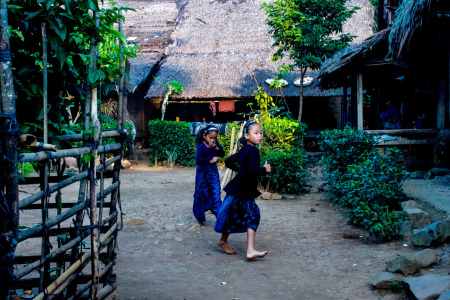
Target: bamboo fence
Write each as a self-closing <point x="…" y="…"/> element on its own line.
<point x="70" y="270"/>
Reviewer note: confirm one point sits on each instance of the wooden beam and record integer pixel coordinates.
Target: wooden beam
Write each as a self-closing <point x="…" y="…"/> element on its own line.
<point x="359" y="100"/>
<point x="403" y="131"/>
<point x="401" y="142"/>
<point x="443" y="80"/>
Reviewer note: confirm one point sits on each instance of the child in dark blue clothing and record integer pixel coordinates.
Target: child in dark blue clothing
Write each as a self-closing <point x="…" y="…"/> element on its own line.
<point x="207" y="181"/>
<point x="239" y="212"/>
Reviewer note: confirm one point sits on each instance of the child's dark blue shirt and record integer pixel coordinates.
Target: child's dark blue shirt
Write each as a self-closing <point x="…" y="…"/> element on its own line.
<point x="205" y="154"/>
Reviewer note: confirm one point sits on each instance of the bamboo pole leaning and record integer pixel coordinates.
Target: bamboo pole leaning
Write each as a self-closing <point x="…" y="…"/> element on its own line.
<point x="79" y="137"/>
<point x="86" y="286"/>
<point x="33" y="266"/>
<point x="56" y="187"/>
<point x="228" y="172"/>
<point x="73" y="268"/>
<point x="64" y="216"/>
<point x="40" y="156"/>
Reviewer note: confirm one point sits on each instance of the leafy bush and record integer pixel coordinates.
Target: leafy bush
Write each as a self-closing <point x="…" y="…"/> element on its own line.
<point x="172" y="136"/>
<point x="225" y="140"/>
<point x="365" y="181"/>
<point x="288" y="174"/>
<point x="282" y="134"/>
<point x="378" y="179"/>
<point x="344" y="147"/>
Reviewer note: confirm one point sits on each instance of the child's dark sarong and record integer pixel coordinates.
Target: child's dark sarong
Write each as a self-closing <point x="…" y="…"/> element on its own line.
<point x="237" y="215"/>
<point x="207" y="191"/>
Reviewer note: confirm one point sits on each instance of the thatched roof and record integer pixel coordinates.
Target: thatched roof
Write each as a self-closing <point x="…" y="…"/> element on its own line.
<point x="151" y="24"/>
<point x="411" y="15"/>
<point x="213" y="40"/>
<point x="141" y="67"/>
<point x="335" y="71"/>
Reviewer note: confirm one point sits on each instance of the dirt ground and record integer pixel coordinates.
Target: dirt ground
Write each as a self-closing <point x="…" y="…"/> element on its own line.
<point x="165" y="254"/>
<point x="172" y="257"/>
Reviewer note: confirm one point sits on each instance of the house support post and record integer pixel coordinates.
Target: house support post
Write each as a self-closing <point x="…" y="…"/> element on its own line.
<point x="344" y="108"/>
<point x="359" y="100"/>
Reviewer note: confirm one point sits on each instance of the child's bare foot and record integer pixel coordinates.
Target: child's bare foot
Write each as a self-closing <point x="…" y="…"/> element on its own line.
<point x="256" y="254"/>
<point x="227" y="247"/>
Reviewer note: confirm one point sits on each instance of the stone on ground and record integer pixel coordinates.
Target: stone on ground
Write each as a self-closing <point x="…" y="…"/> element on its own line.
<point x="266" y="196"/>
<point x="418" y="218"/>
<point x="384" y="280"/>
<point x="126" y="163"/>
<point x="417" y="175"/>
<point x="429" y="286"/>
<point x="440" y="171"/>
<point x="277" y="197"/>
<point x="136" y="221"/>
<point x="426" y="257"/>
<point x="71" y="162"/>
<point x="406" y="230"/>
<point x="410" y="204"/>
<point x="405" y="264"/>
<point x="436" y="233"/>
<point x="444" y="296"/>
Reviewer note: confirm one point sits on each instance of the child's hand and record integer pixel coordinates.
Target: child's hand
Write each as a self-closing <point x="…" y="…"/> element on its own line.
<point x="212" y="145"/>
<point x="214" y="159"/>
<point x="267" y="167"/>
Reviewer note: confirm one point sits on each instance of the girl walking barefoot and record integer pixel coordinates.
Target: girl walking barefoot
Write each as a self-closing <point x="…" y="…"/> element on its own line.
<point x="207" y="181"/>
<point x="239" y="212"/>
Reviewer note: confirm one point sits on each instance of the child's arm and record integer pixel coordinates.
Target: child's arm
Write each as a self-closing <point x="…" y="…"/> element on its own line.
<point x="200" y="159"/>
<point x="219" y="150"/>
<point x="230" y="162"/>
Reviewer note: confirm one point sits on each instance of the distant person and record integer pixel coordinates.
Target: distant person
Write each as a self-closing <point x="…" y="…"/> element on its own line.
<point x="239" y="212"/>
<point x="207" y="181"/>
<point x="391" y="117"/>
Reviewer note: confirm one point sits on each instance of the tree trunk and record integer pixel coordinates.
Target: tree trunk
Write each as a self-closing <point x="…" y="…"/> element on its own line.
<point x="9" y="221"/>
<point x="300" y="102"/>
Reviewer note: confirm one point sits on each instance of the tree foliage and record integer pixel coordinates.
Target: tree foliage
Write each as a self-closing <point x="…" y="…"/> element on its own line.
<point x="309" y="31"/>
<point x="70" y="25"/>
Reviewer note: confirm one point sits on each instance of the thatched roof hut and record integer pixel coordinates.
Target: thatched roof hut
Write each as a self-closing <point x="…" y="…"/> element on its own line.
<point x="414" y="17"/>
<point x="335" y="71"/>
<point x="214" y="40"/>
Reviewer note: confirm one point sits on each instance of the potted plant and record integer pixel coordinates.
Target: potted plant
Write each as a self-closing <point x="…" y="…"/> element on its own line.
<point x="171" y="157"/>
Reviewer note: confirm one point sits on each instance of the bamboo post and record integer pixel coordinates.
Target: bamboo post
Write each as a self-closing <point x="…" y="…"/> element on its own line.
<point x="232" y="140"/>
<point x="44" y="171"/>
<point x="113" y="210"/>
<point x="9" y="225"/>
<point x="92" y="179"/>
<point x="121" y="81"/>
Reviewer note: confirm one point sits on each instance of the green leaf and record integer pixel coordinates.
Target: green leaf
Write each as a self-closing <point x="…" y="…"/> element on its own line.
<point x="93" y="4"/>
<point x="58" y="200"/>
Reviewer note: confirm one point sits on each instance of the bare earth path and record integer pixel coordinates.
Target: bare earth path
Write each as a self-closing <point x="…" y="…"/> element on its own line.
<point x="172" y="257"/>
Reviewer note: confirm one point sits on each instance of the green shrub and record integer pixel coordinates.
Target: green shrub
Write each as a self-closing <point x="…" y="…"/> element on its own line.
<point x="172" y="136"/>
<point x="282" y="134"/>
<point x="288" y="174"/>
<point x="344" y="147"/>
<point x="378" y="180"/>
<point x="225" y="140"/>
<point x="365" y="181"/>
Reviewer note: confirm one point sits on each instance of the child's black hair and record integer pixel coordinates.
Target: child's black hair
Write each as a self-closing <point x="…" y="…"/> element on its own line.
<point x="243" y="141"/>
<point x="205" y="130"/>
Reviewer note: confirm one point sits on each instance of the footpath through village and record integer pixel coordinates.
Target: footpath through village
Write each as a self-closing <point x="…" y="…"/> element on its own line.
<point x="164" y="253"/>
